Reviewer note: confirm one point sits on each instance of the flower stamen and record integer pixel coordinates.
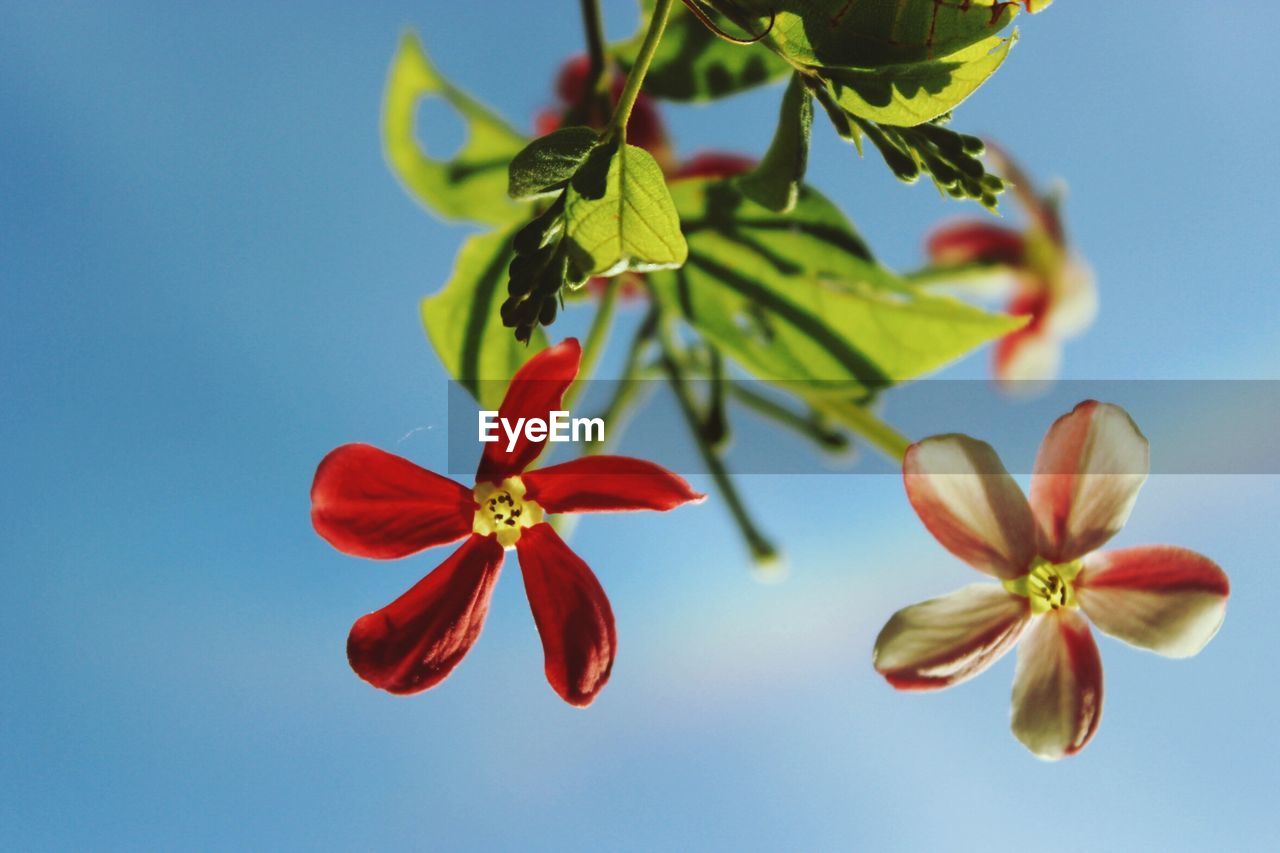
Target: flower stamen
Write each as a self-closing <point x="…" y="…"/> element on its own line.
<point x="1047" y="586"/>
<point x="503" y="512"/>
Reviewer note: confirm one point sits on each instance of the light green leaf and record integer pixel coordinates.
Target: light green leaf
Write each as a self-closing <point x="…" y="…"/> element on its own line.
<point x="546" y="164"/>
<point x="693" y="64"/>
<point x="874" y="33"/>
<point x="798" y="299"/>
<point x="775" y="183"/>
<point x="471" y="186"/>
<point x="463" y="323"/>
<point x="913" y="93"/>
<point x="619" y="215"/>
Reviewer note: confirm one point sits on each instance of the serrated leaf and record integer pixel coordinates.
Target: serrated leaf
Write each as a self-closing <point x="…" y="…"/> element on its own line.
<point x="693" y="64"/>
<point x="874" y="33"/>
<point x="775" y="183"/>
<point x="473" y="184"/>
<point x="463" y="324"/>
<point x="797" y="298"/>
<point x="546" y="164"/>
<point x="619" y="215"/>
<point x="908" y="94"/>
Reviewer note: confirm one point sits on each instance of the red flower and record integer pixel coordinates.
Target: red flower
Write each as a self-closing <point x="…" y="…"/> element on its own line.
<point x="1051" y="285"/>
<point x="714" y="164"/>
<point x="644" y="128"/>
<point x="370" y="503"/>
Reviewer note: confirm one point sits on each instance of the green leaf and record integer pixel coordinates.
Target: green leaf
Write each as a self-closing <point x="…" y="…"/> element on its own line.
<point x="874" y="33"/>
<point x="471" y="186"/>
<point x="949" y="158"/>
<point x="908" y="94"/>
<point x="798" y="299"/>
<point x="693" y="64"/>
<point x="775" y="183"/>
<point x="463" y="323"/>
<point x="546" y="164"/>
<point x="619" y="215"/>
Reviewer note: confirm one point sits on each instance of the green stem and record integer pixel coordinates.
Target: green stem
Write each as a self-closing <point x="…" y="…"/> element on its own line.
<point x="622" y="113"/>
<point x="826" y="438"/>
<point x="862" y="421"/>
<point x="594" y="30"/>
<point x="762" y="550"/>
<point x="596" y="336"/>
<point x="627" y="390"/>
<point x="593" y="106"/>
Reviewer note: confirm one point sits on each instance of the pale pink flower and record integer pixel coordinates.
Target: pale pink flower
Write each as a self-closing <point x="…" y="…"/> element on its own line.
<point x="1044" y="551"/>
<point x="1045" y="280"/>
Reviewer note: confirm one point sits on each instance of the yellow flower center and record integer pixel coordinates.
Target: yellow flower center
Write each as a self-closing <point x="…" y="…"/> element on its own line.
<point x="502" y="511"/>
<point x="1047" y="585"/>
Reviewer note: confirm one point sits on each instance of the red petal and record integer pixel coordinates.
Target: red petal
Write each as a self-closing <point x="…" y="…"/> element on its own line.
<point x="947" y="640"/>
<point x="607" y="484"/>
<point x="414" y="642"/>
<point x="535" y="391"/>
<point x="714" y="164"/>
<point x="1169" y="600"/>
<point x="1057" y="686"/>
<point x="572" y="614"/>
<point x="1088" y="471"/>
<point x="976" y="242"/>
<point x="371" y="503"/>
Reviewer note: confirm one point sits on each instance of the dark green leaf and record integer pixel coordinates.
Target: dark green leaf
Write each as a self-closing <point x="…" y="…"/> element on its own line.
<point x="693" y="64"/>
<point x="872" y="33"/>
<point x="545" y="165"/>
<point x="949" y="158"/>
<point x="775" y="183"/>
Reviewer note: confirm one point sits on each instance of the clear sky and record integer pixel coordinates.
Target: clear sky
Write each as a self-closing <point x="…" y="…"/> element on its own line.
<point x="208" y="279"/>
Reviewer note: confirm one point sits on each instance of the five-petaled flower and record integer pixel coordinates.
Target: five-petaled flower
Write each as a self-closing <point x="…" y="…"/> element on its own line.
<point x="370" y="503"/>
<point x="1087" y="474"/>
<point x="1051" y="286"/>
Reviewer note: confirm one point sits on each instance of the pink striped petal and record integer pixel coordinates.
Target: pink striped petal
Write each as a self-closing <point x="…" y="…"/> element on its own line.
<point x="970" y="504"/>
<point x="1088" y="472"/>
<point x="1057" y="686"/>
<point x="948" y="640"/>
<point x="1169" y="600"/>
<point x="1029" y="355"/>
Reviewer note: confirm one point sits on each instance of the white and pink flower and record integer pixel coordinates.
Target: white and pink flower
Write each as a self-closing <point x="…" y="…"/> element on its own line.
<point x="1043" y="278"/>
<point x="1044" y="552"/>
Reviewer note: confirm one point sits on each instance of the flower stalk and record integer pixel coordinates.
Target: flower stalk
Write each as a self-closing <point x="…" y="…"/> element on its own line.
<point x="635" y="80"/>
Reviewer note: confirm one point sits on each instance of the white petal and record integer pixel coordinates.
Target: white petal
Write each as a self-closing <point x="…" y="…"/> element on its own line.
<point x="970" y="504"/>
<point x="947" y="640"/>
<point x="1088" y="472"/>
<point x="1169" y="600"/>
<point x="1057" y="686"/>
<point x="1074" y="304"/>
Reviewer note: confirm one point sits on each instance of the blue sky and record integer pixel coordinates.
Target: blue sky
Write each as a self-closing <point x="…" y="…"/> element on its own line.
<point x="208" y="279"/>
